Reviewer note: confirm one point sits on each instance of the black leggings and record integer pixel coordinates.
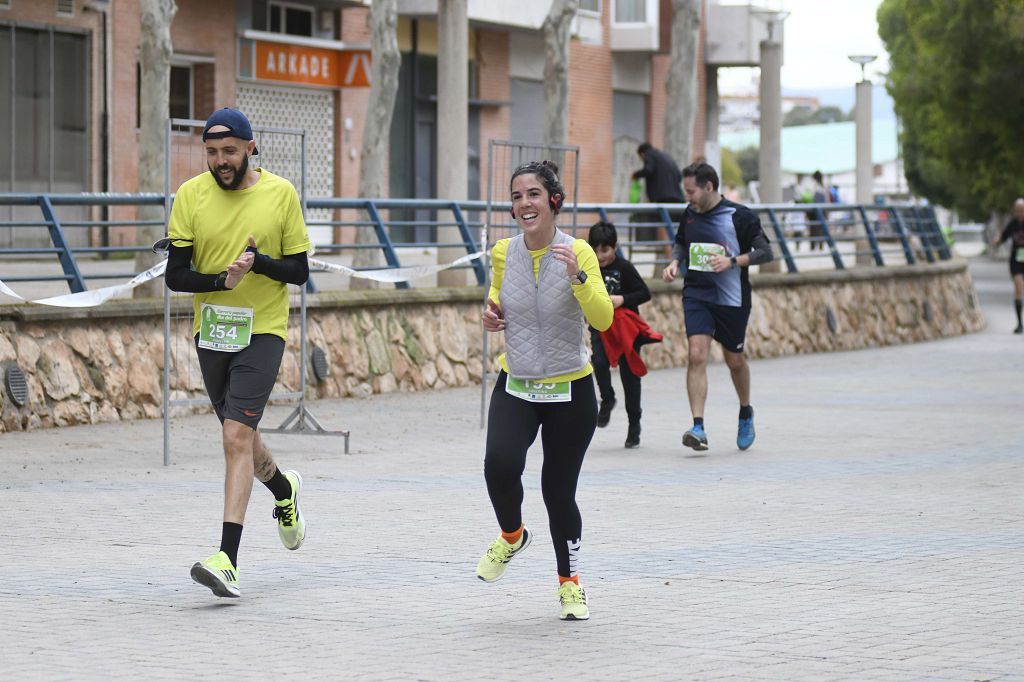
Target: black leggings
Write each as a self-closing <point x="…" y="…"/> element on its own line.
<point x="603" y="374"/>
<point x="566" y="430"/>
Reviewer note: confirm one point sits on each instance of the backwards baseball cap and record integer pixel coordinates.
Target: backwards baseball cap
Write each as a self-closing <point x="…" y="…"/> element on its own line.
<point x="234" y="120"/>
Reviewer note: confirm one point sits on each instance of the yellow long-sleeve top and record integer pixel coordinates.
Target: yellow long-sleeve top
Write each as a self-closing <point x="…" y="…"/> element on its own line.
<point x="591" y="295"/>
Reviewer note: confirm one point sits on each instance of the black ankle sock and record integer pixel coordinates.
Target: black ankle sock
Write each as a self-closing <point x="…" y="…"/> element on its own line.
<point x="698" y="421"/>
<point x="279" y="486"/>
<point x="230" y="538"/>
<point x="746" y="411"/>
<point x="1017" y="305"/>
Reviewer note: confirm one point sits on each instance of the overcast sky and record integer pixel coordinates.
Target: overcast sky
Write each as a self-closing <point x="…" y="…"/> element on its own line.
<point x="819" y="36"/>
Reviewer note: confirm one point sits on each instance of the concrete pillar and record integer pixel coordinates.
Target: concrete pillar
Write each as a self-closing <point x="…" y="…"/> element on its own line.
<point x="769" y="167"/>
<point x="770" y="154"/>
<point x="712" y="150"/>
<point x="865" y="165"/>
<point x="452" y="125"/>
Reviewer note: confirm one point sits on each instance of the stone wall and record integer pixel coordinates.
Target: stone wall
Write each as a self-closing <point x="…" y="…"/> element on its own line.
<point x="105" y="364"/>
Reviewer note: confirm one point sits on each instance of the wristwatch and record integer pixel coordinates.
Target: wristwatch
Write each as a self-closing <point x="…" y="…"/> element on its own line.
<point x="579" y="278"/>
<point x="732" y="261"/>
<point x="221" y="281"/>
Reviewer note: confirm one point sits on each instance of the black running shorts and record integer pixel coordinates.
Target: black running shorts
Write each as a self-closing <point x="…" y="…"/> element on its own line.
<point x="239" y="384"/>
<point x="725" y="324"/>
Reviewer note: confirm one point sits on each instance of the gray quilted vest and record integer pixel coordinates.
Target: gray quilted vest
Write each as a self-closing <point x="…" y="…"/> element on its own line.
<point x="543" y="320"/>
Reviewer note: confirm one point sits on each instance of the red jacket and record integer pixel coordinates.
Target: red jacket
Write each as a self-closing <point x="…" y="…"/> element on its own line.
<point x="628" y="331"/>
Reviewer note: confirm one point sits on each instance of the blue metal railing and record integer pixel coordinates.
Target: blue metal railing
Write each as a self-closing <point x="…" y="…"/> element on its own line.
<point x="837" y="235"/>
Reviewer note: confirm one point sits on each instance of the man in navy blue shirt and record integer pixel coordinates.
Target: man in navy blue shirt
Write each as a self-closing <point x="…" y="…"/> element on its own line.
<point x="716" y="242"/>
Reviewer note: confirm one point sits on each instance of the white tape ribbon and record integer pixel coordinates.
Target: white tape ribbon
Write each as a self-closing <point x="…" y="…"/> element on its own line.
<point x="393" y="274"/>
<point x="89" y="299"/>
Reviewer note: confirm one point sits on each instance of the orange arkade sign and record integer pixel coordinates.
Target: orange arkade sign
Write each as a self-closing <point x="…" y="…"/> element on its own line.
<point x="300" y="64"/>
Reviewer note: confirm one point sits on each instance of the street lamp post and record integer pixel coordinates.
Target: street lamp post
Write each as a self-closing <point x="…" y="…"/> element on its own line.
<point x="865" y="167"/>
<point x="862" y="116"/>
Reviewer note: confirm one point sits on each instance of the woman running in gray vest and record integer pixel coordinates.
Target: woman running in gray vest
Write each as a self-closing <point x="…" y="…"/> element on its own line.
<point x="544" y="284"/>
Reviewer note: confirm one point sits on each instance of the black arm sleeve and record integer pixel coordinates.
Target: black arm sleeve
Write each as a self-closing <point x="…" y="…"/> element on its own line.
<point x="634" y="289"/>
<point x="292" y="269"/>
<point x="760" y="250"/>
<point x="753" y="239"/>
<point x="181" y="277"/>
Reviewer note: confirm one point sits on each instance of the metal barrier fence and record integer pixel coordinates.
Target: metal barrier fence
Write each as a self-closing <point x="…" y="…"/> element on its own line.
<point x="804" y="236"/>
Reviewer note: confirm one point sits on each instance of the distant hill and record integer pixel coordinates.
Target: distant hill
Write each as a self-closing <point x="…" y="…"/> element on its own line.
<point x="881" y="103"/>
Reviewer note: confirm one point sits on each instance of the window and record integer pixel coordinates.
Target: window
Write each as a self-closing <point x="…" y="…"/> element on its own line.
<point x="181" y="98"/>
<point x="590" y="6"/>
<point x="291" y="19"/>
<point x="527" y="114"/>
<point x="66" y="8"/>
<point x="44" y="117"/>
<point x="629" y="115"/>
<point x="5" y="4"/>
<point x="630" y="11"/>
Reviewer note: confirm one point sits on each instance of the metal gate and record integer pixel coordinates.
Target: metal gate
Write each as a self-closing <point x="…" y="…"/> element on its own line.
<point x="503" y="157"/>
<point x="282" y="151"/>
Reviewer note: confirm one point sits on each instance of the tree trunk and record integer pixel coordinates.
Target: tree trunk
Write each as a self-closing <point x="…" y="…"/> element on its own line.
<point x="373" y="158"/>
<point x="556" y="70"/>
<point x="681" y="88"/>
<point x="154" y="92"/>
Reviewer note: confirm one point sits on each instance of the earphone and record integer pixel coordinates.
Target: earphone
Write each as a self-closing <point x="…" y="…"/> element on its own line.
<point x="554" y="199"/>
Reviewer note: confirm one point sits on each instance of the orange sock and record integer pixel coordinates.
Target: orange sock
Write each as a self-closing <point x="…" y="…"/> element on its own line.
<point x="562" y="580"/>
<point x="513" y="538"/>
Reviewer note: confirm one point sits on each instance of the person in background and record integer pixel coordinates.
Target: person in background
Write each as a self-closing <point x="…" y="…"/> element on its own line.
<point x="662" y="179"/>
<point x="1014" y="232"/>
<point x="620" y="343"/>
<point x="717" y="241"/>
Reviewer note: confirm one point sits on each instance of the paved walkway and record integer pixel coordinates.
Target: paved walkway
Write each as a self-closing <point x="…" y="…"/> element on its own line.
<point x="875" y="531"/>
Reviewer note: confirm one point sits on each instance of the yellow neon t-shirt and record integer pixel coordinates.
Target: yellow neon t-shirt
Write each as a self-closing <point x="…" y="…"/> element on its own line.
<point x="217" y="224"/>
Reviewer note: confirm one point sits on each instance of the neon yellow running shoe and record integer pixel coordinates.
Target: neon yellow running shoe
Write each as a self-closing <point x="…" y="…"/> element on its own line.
<point x="291" y="524"/>
<point x="574" y="601"/>
<point x="492" y="565"/>
<point x="218" y="574"/>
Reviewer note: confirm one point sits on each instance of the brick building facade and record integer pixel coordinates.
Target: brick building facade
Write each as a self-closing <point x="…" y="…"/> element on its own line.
<point x="616" y="88"/>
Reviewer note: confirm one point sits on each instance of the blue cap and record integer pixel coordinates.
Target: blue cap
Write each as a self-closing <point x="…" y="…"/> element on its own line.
<point x="234" y="120"/>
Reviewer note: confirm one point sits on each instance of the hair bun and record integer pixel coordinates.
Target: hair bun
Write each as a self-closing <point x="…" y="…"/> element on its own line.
<point x="552" y="165"/>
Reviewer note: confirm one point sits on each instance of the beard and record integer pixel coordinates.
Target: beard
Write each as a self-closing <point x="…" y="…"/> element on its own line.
<point x="236" y="179"/>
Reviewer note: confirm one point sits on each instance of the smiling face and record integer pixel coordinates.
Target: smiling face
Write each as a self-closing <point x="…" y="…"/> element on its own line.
<point x="228" y="160"/>
<point x="532" y="207"/>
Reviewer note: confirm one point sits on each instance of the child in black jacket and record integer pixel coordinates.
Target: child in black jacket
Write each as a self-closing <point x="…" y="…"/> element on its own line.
<point x="627" y="291"/>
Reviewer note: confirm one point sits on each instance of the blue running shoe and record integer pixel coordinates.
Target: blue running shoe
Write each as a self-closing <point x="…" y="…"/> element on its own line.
<point x="696" y="438"/>
<point x="745" y="433"/>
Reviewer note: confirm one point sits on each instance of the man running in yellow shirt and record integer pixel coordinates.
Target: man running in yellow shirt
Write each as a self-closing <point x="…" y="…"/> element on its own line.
<point x="237" y="238"/>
